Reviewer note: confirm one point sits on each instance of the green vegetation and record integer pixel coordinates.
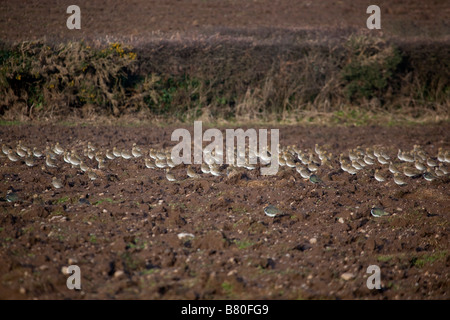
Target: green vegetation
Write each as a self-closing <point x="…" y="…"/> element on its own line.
<point x="9" y="123"/>
<point x="243" y="244"/>
<point x="130" y="263"/>
<point x="109" y="200"/>
<point x="384" y="258"/>
<point x="93" y="238"/>
<point x="420" y="262"/>
<point x="227" y="288"/>
<point x="57" y="213"/>
<point x="137" y="244"/>
<point x="149" y="271"/>
<point x="62" y="200"/>
<point x="370" y="69"/>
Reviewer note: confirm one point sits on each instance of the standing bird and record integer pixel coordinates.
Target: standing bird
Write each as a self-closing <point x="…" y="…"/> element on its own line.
<point x="12" y="156"/>
<point x="149" y="163"/>
<point x="191" y="173"/>
<point x="393" y="168"/>
<point x="29" y="160"/>
<point x="58" y="149"/>
<point x="399" y="180"/>
<point x="170" y="176"/>
<point x="92" y="175"/>
<point x="37" y="153"/>
<point x="83" y="166"/>
<point x="205" y="168"/>
<point x="136" y="151"/>
<point x="110" y="155"/>
<point x="215" y="170"/>
<point x="428" y="175"/>
<point x="378" y="176"/>
<point x="57" y="183"/>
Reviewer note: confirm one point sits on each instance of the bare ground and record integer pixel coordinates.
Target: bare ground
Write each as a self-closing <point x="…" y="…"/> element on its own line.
<point x="124" y="238"/>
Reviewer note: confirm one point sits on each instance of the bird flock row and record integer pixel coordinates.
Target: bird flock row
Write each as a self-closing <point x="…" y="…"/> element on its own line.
<point x="308" y="163"/>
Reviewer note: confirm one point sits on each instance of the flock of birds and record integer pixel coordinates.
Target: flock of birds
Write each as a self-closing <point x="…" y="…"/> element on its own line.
<point x="91" y="160"/>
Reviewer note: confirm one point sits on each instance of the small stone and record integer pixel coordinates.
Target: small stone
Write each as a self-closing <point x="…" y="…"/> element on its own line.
<point x="341" y="220"/>
<point x="118" y="273"/>
<point x="22" y="290"/>
<point x="347" y="276"/>
<point x="313" y="240"/>
<point x="72" y="261"/>
<point x="43" y="267"/>
<point x="65" y="270"/>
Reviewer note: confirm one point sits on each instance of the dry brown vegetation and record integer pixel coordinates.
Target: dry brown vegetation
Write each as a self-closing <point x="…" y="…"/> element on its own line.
<point x="357" y="79"/>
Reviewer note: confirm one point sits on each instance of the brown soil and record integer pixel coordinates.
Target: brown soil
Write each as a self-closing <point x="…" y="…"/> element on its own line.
<point x="134" y="214"/>
<point x="142" y="19"/>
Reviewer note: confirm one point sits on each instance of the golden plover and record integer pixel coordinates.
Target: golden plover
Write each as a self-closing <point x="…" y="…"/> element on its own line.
<point x="420" y="166"/>
<point x="57" y="183"/>
<point x="110" y="155"/>
<point x="378" y="176"/>
<point x="91" y="174"/>
<point x="58" y="149"/>
<point x="411" y="172"/>
<point x="215" y="170"/>
<point x="116" y="153"/>
<point x="160" y="163"/>
<point x="29" y="160"/>
<point x="50" y="162"/>
<point x="83" y="166"/>
<point x="399" y="180"/>
<point x="136" y="151"/>
<point x="20" y="152"/>
<point x="429" y="176"/>
<point x="431" y="163"/>
<point x="205" y="168"/>
<point x="170" y="176"/>
<point x="393" y="168"/>
<point x="149" y="163"/>
<point x="191" y="173"/>
<point x="12" y="156"/>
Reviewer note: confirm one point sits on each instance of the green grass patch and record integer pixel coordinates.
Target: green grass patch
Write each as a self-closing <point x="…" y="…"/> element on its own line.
<point x="227" y="288"/>
<point x="180" y="205"/>
<point x="137" y="244"/>
<point x="239" y="210"/>
<point x="93" y="238"/>
<point x="108" y="200"/>
<point x="9" y="123"/>
<point x="149" y="271"/>
<point x="384" y="258"/>
<point x="243" y="244"/>
<point x="62" y="200"/>
<point x="420" y="262"/>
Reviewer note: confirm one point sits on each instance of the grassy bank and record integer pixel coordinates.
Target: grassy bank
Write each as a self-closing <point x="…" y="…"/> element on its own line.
<point x="358" y="80"/>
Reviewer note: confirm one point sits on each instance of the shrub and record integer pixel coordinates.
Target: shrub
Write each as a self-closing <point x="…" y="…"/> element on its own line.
<point x="369" y="69"/>
<point x="46" y="81"/>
